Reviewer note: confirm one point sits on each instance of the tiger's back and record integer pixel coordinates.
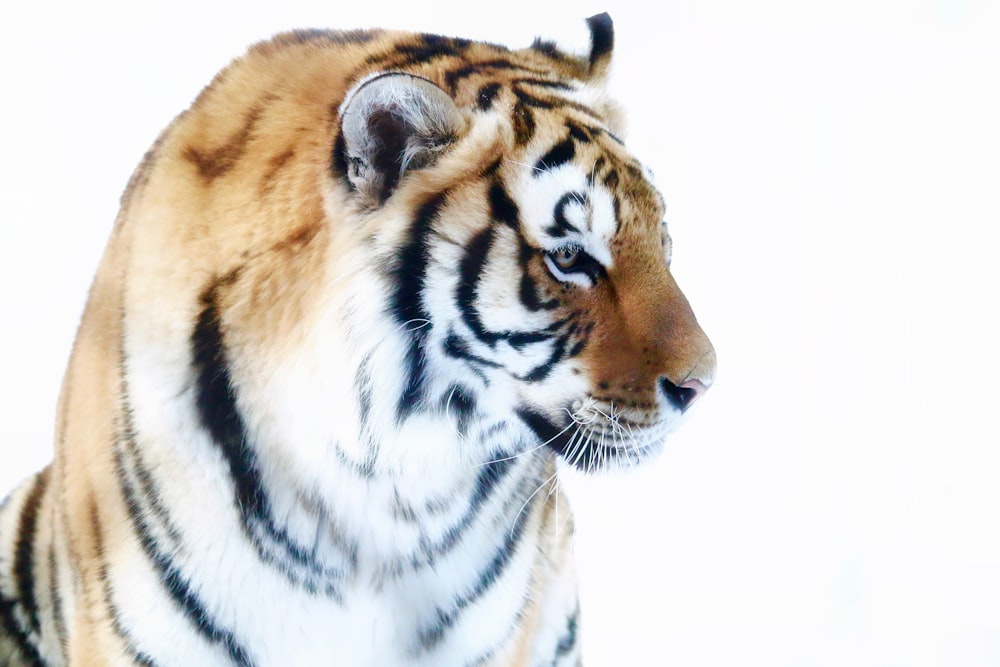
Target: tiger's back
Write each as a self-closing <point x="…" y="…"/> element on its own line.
<point x="359" y="299"/>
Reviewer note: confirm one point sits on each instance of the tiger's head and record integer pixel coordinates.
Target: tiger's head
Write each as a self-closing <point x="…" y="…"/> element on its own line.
<point x="524" y="254"/>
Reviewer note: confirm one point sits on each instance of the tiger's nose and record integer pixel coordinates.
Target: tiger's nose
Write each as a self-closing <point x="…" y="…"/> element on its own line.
<point x="683" y="395"/>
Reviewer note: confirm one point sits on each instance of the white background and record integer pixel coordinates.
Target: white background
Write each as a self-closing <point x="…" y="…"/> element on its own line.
<point x="833" y="177"/>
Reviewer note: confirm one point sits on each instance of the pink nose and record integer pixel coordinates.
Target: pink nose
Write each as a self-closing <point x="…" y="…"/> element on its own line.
<point x="683" y="395"/>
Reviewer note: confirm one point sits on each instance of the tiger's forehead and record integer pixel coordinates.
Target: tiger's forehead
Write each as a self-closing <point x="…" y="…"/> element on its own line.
<point x="565" y="204"/>
<point x="582" y="186"/>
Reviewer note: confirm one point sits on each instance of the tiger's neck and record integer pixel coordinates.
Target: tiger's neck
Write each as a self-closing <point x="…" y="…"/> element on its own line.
<point x="373" y="524"/>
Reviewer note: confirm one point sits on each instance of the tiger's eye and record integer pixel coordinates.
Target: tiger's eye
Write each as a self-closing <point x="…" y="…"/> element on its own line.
<point x="566" y="258"/>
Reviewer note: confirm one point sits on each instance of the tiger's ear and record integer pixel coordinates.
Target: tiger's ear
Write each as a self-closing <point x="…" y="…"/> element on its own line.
<point x="602" y="42"/>
<point x="391" y="124"/>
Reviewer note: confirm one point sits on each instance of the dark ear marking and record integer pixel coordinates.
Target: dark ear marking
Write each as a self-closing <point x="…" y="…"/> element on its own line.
<point x="391" y="124"/>
<point x="602" y="41"/>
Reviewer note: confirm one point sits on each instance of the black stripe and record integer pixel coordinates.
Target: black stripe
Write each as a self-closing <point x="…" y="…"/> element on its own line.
<point x="456" y="348"/>
<point x="487" y="483"/>
<point x="471" y="268"/>
<point x="108" y="593"/>
<point x="529" y="100"/>
<point x="490" y="475"/>
<point x="149" y="491"/>
<point x="470" y="272"/>
<point x="216" y="403"/>
<point x="459" y="402"/>
<point x="502" y="207"/>
<point x="561" y="226"/>
<point x="220" y="416"/>
<point x="524" y="123"/>
<point x="408" y="276"/>
<point x="453" y="77"/>
<point x="554" y="436"/>
<point x="175" y="584"/>
<point x="365" y="389"/>
<point x="545" y="83"/>
<point x="12" y="629"/>
<point x="488" y="576"/>
<point x="55" y="595"/>
<point x="614" y="137"/>
<point x="484" y="100"/>
<point x="567" y="642"/>
<point x="528" y="294"/>
<point x="548" y="48"/>
<point x="521" y="339"/>
<point x="543" y="370"/>
<point x="528" y="289"/>
<point x="430" y="47"/>
<point x="581" y="133"/>
<point x="24" y="552"/>
<point x="557" y="156"/>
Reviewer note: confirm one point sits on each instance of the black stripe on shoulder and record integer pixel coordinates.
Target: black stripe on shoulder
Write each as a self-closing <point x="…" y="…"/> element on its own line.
<point x="557" y="156"/>
<point x="173" y="581"/>
<point x="217" y="409"/>
<point x="55" y="595"/>
<point x="219" y="414"/>
<point x="24" y="551"/>
<point x="15" y="634"/>
<point x="97" y="533"/>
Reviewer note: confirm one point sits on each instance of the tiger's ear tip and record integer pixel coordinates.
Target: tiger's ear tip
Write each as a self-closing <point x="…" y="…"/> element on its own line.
<point x="602" y="42"/>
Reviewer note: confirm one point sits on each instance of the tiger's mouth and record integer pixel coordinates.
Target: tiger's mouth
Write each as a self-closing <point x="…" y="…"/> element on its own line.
<point x="598" y="438"/>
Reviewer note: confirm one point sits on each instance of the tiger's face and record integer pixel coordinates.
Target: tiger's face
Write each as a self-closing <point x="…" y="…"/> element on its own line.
<point x="533" y="281"/>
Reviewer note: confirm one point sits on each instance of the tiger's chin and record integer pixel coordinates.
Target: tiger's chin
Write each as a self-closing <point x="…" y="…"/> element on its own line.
<point x="596" y="441"/>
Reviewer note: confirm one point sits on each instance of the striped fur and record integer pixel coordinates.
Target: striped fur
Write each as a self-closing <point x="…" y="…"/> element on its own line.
<point x="362" y="298"/>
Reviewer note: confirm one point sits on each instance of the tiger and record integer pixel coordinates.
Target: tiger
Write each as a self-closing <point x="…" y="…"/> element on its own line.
<point x="364" y="302"/>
